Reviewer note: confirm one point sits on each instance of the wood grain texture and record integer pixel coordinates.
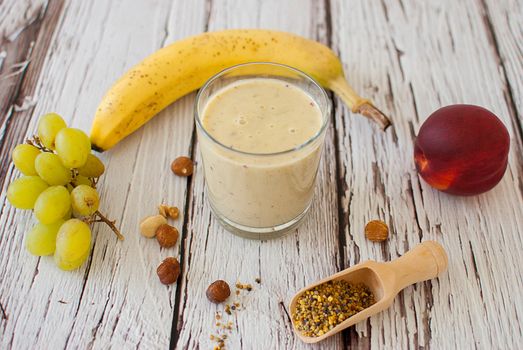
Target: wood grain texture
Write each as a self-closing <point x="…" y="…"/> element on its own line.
<point x="503" y="21"/>
<point x="116" y="297"/>
<point x="284" y="265"/>
<point x="27" y="32"/>
<point x="411" y="57"/>
<point x="419" y="56"/>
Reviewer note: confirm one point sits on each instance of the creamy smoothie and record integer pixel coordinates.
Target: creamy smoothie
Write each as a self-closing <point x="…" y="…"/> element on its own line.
<point x="249" y="183"/>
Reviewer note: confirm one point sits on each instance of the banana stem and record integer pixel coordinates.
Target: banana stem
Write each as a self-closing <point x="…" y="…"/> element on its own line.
<point x="358" y="104"/>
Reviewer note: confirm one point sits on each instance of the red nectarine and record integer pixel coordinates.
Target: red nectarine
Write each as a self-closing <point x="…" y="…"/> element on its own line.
<point x="462" y="150"/>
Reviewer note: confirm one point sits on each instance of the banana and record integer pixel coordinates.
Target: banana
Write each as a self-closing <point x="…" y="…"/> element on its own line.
<point x="186" y="65"/>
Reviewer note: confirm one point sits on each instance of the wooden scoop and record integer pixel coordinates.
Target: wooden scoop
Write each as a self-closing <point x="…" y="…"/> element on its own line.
<point x="385" y="280"/>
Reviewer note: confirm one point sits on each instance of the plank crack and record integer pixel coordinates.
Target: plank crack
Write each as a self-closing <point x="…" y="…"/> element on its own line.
<point x="94" y="331"/>
<point x="166" y="25"/>
<point x="399" y="53"/>
<point x="410" y="193"/>
<point x="427" y="319"/>
<point x="285" y="312"/>
<point x="188" y="209"/>
<point x="328" y="22"/>
<point x="84" y="284"/>
<point x="4" y="314"/>
<point x="341" y="189"/>
<point x="208" y="13"/>
<point x="414" y="103"/>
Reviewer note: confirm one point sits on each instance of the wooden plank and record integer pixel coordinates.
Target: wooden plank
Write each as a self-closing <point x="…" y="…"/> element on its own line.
<point x="284" y="265"/>
<point x="116" y="297"/>
<point x="27" y="29"/>
<point x="21" y="22"/>
<point x="503" y="19"/>
<point x="413" y="57"/>
<point x="505" y="33"/>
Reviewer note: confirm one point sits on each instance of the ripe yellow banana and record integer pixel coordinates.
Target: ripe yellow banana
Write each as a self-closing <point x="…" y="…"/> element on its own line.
<point x="186" y="65"/>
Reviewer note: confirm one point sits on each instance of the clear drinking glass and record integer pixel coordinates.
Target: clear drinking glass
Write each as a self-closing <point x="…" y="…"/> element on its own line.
<point x="260" y="195"/>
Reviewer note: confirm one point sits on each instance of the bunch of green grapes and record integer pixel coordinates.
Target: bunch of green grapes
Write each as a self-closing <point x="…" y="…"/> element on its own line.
<point x="58" y="182"/>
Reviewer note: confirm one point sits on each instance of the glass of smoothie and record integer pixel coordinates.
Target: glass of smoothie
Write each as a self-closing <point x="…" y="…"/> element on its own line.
<point x="261" y="129"/>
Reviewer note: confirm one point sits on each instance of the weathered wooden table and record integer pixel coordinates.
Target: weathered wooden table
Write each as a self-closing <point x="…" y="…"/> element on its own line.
<point x="411" y="57"/>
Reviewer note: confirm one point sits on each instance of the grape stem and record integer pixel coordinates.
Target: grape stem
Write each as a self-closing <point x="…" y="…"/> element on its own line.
<point x="94" y="181"/>
<point x="111" y="224"/>
<point x="35" y="141"/>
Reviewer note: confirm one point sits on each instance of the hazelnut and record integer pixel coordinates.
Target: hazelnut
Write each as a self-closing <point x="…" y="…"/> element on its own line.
<point x="167" y="235"/>
<point x="218" y="291"/>
<point x="182" y="166"/>
<point x="168" y="271"/>
<point x="168" y="212"/>
<point x="150" y="224"/>
<point x="376" y="231"/>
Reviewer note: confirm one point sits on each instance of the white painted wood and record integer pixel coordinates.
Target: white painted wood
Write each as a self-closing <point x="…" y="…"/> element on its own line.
<point x="505" y="18"/>
<point x="16" y="15"/>
<point x="119" y="299"/>
<point x="417" y="57"/>
<point x="411" y="57"/>
<point x="284" y="265"/>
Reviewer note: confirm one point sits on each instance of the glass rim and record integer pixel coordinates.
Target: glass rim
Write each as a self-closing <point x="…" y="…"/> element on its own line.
<point x="301" y="146"/>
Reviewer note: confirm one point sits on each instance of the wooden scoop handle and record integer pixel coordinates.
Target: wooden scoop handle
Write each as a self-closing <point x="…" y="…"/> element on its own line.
<point x="427" y="260"/>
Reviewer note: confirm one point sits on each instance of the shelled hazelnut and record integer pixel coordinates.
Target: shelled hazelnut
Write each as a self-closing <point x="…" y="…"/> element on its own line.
<point x="376" y="231"/>
<point x="218" y="291"/>
<point x="167" y="235"/>
<point x="182" y="166"/>
<point x="168" y="271"/>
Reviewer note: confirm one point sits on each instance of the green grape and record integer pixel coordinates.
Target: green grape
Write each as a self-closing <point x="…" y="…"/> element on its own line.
<point x="69" y="265"/>
<point x="85" y="200"/>
<point x="73" y="243"/>
<point x="41" y="239"/>
<point x="23" y="192"/>
<point x="52" y="205"/>
<point x="24" y="156"/>
<point x="73" y="147"/>
<point x="93" y="167"/>
<point x="51" y="170"/>
<point x="69" y="214"/>
<point x="82" y="180"/>
<point x="48" y="127"/>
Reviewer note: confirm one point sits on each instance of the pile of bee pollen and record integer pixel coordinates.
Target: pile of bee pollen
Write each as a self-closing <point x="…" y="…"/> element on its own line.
<point x="321" y="308"/>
